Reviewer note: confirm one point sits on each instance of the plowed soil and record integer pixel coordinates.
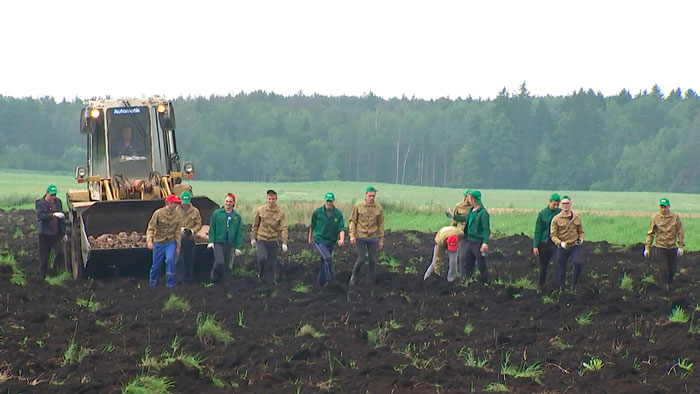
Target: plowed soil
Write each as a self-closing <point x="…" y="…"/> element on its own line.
<point x="420" y="347"/>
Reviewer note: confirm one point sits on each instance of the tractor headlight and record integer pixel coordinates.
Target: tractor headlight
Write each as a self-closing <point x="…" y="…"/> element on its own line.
<point x="161" y="108"/>
<point x="80" y="173"/>
<point x="189" y="168"/>
<point x="95" y="113"/>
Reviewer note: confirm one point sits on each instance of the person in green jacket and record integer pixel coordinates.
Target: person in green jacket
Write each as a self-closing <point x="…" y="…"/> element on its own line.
<point x="224" y="234"/>
<point x="478" y="233"/>
<point x="326" y="230"/>
<point x="542" y="245"/>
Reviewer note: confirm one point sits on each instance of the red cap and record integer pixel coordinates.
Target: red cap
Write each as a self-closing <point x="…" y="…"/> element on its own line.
<point x="452" y="243"/>
<point x="172" y="198"/>
<point x="231" y="195"/>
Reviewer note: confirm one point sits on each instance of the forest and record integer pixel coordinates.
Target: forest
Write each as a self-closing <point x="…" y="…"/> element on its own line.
<point x="583" y="141"/>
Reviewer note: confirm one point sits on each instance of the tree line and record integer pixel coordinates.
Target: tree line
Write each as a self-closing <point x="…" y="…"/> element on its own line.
<point x="582" y="141"/>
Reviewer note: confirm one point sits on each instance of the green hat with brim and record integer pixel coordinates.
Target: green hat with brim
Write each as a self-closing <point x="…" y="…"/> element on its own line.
<point x="466" y="192"/>
<point x="185" y="197"/>
<point x="329" y="196"/>
<point x="371" y="189"/>
<point x="476" y="195"/>
<point x="555" y="197"/>
<point x="664" y="202"/>
<point x="52" y="189"/>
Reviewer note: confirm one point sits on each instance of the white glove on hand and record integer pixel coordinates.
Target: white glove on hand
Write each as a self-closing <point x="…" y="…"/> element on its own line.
<point x="646" y="253"/>
<point x="428" y="272"/>
<point x="253" y="242"/>
<point x="679" y="251"/>
<point x="284" y="247"/>
<point x="579" y="241"/>
<point x="182" y="230"/>
<point x="563" y="245"/>
<point x="449" y="214"/>
<point x="65" y="238"/>
<point x="59" y="215"/>
<point x="210" y="246"/>
<point x="237" y="252"/>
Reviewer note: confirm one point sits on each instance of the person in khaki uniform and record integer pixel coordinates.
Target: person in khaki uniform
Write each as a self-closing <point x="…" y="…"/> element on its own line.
<point x="269" y="225"/>
<point x="447" y="239"/>
<point x="566" y="232"/>
<point x="366" y="227"/>
<point x="667" y="227"/>
<point x="462" y="209"/>
<point x="191" y="224"/>
<point x="163" y="236"/>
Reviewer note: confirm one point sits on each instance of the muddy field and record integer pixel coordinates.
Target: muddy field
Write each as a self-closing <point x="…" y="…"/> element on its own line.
<point x="399" y="334"/>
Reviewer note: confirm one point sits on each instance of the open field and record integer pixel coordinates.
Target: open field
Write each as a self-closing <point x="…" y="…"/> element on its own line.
<point x="399" y="334"/>
<point x="617" y="217"/>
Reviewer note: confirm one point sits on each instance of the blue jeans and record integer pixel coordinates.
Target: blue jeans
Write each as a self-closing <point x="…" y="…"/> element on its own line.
<point x="325" y="272"/>
<point x="562" y="258"/>
<point x="163" y="251"/>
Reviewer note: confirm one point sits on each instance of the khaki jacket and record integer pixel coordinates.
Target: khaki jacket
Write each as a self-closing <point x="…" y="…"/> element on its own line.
<point x="564" y="230"/>
<point x="164" y="226"/>
<point x="667" y="229"/>
<point x="441" y="243"/>
<point x="192" y="219"/>
<point x="367" y="221"/>
<point x="269" y="224"/>
<point x="462" y="208"/>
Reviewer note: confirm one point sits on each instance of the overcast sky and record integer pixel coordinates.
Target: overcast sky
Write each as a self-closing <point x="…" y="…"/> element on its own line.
<point x="425" y="49"/>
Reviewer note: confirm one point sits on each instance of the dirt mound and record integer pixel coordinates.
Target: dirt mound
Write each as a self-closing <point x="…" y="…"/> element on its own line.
<point x="398" y="334"/>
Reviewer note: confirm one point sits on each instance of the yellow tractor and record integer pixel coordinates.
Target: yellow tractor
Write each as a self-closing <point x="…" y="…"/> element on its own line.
<point x="132" y="165"/>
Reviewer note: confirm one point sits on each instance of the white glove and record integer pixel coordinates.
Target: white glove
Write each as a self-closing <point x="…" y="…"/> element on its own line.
<point x="428" y="272"/>
<point x="679" y="251"/>
<point x="65" y="238"/>
<point x="210" y="246"/>
<point x="646" y="253"/>
<point x="253" y="242"/>
<point x="284" y="247"/>
<point x="579" y="241"/>
<point x="59" y="215"/>
<point x="182" y="230"/>
<point x="563" y="245"/>
<point x="449" y="214"/>
<point x="237" y="252"/>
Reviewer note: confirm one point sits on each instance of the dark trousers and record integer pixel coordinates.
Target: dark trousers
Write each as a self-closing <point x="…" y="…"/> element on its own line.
<point x="548" y="252"/>
<point x="267" y="260"/>
<point x="668" y="262"/>
<point x="184" y="272"/>
<point x="46" y="243"/>
<point x="574" y="252"/>
<point x="366" y="250"/>
<point x="325" y="270"/>
<point x="222" y="258"/>
<point x="474" y="255"/>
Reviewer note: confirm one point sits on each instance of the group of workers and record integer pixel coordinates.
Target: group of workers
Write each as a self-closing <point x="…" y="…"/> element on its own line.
<point x="171" y="234"/>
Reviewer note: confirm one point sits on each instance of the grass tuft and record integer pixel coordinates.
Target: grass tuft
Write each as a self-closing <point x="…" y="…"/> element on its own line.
<point x="209" y="330"/>
<point x="146" y="384"/>
<point x="678" y="315"/>
<point x="175" y="303"/>
<point x="60" y="279"/>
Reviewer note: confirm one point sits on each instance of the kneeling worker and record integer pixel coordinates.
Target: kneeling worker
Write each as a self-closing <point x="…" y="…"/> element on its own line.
<point x="448" y="238"/>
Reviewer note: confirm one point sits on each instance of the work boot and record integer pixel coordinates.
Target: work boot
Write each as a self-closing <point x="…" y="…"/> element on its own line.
<point x="352" y="280"/>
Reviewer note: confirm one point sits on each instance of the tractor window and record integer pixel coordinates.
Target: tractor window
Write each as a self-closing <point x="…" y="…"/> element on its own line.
<point x="98" y="154"/>
<point x="129" y="133"/>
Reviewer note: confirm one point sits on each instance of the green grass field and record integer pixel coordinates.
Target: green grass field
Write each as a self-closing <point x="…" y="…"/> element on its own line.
<point x="617" y="217"/>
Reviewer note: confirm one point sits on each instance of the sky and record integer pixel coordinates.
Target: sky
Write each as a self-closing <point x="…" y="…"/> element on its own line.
<point x="427" y="49"/>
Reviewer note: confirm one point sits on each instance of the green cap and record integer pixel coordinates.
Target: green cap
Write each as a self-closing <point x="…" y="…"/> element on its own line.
<point x="467" y="192"/>
<point x="52" y="189"/>
<point x="565" y="197"/>
<point x="329" y="196"/>
<point x="371" y="189"/>
<point x="476" y="195"/>
<point x="185" y="197"/>
<point x="664" y="202"/>
<point x="555" y="197"/>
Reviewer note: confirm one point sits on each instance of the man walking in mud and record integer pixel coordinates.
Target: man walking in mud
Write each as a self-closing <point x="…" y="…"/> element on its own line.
<point x="225" y="234"/>
<point x="269" y="226"/>
<point x="366" y="233"/>
<point x="566" y="232"/>
<point x="327" y="229"/>
<point x="163" y="236"/>
<point x="542" y="245"/>
<point x="447" y="239"/>
<point x="478" y="233"/>
<point x="462" y="208"/>
<point x="191" y="224"/>
<point x="668" y="229"/>
<point x="51" y="229"/>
